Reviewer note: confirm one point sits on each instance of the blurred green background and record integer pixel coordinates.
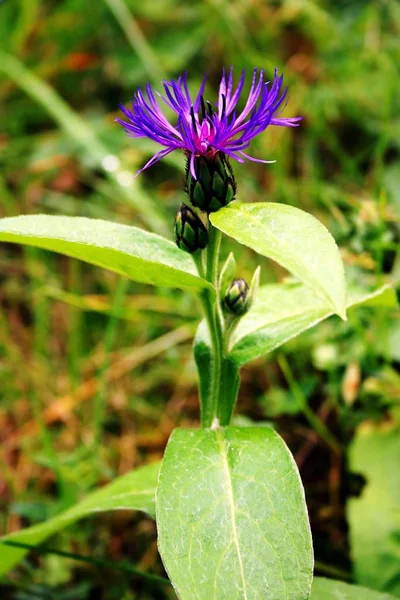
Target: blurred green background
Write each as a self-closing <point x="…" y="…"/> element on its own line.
<point x="95" y="372"/>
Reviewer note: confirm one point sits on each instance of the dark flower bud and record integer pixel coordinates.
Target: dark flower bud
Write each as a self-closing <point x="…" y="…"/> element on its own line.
<point x="215" y="185"/>
<point x="190" y="232"/>
<point x="236" y="299"/>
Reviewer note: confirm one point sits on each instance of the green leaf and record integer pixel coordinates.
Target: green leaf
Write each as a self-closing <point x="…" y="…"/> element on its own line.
<point x="133" y="491"/>
<point x="293" y="238"/>
<point x="231" y="515"/>
<point x="374" y="517"/>
<point x="130" y="251"/>
<point x="226" y="276"/>
<point x="283" y="311"/>
<point x="327" y="589"/>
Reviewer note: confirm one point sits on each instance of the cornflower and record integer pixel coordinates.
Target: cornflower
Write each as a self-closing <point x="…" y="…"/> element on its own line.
<point x="202" y="130"/>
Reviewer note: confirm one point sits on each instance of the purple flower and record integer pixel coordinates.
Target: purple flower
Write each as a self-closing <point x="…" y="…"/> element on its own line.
<point x="202" y="130"/>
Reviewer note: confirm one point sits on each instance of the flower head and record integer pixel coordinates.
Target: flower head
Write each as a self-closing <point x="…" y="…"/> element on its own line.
<point x="204" y="130"/>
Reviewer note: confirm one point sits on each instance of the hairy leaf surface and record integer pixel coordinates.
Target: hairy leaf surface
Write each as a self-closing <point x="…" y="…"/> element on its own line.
<point x="231" y="516"/>
<point x="130" y="251"/>
<point x="282" y="311"/>
<point x="294" y="239"/>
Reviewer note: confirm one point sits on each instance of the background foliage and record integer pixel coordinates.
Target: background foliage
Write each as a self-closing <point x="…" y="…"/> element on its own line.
<point x="95" y="371"/>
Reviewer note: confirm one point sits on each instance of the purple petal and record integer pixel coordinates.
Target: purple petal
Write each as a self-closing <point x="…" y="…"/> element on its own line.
<point x="192" y="169"/>
<point x="196" y="105"/>
<point x="259" y="160"/>
<point x="287" y="122"/>
<point x="231" y="102"/>
<point x="158" y="156"/>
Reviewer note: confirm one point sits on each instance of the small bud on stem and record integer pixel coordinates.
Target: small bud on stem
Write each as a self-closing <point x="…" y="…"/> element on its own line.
<point x="236" y="298"/>
<point x="190" y="232"/>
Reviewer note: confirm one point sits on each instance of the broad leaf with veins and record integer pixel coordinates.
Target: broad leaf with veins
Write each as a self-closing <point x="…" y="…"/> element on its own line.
<point x="231" y="516"/>
<point x="282" y="311"/>
<point x="294" y="239"/>
<point x="130" y="251"/>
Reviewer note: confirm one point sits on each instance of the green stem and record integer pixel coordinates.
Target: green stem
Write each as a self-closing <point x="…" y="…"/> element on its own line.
<point x="210" y="417"/>
<point x="219" y="393"/>
<point x="198" y="261"/>
<point x="213" y="318"/>
<point x="214" y="243"/>
<point x="231" y="322"/>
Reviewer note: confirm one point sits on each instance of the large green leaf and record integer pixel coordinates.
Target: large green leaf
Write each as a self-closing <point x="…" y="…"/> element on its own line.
<point x="133" y="491"/>
<point x="293" y="238"/>
<point x="130" y="251"/>
<point x="374" y="517"/>
<point x="327" y="589"/>
<point x="282" y="311"/>
<point x="231" y="516"/>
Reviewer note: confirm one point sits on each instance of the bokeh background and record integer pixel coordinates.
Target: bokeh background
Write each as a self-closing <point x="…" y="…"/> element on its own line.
<point x="95" y="371"/>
